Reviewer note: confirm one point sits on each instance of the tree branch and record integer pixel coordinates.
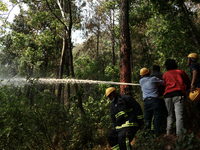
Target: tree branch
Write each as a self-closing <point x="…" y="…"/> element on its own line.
<point x="57" y="16"/>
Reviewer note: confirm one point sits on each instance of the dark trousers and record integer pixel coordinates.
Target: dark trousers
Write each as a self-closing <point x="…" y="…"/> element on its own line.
<point x="121" y="139"/>
<point x="152" y="107"/>
<point x="198" y="105"/>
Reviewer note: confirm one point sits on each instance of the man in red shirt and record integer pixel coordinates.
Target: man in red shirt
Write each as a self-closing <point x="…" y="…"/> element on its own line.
<point x="176" y="82"/>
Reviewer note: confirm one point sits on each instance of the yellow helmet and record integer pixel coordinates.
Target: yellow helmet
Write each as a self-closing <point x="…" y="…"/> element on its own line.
<point x="110" y="90"/>
<point x="144" y="71"/>
<point x="193" y="55"/>
<point x="195" y="96"/>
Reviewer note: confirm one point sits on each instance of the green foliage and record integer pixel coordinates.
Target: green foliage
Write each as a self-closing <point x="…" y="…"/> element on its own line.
<point x="158" y="31"/>
<point x="93" y="131"/>
<point x="187" y="141"/>
<point x="3" y="17"/>
<point x="29" y="127"/>
<point x="110" y="5"/>
<point x="27" y="52"/>
<point x="86" y="68"/>
<point x="112" y="73"/>
<point x="3" y="7"/>
<point x="47" y="124"/>
<point x="145" y="140"/>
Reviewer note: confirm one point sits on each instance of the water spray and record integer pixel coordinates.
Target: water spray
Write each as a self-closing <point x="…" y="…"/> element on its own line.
<point x="24" y="81"/>
<point x="79" y="81"/>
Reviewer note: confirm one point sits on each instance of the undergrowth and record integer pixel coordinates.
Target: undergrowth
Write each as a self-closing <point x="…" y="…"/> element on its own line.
<point x="43" y="123"/>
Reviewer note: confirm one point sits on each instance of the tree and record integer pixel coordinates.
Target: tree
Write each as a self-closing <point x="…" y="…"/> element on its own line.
<point x="110" y="8"/>
<point x="3" y="16"/>
<point x="95" y="22"/>
<point x="8" y="55"/>
<point x="125" y="48"/>
<point x="179" y="9"/>
<point x="142" y="49"/>
<point x="68" y="11"/>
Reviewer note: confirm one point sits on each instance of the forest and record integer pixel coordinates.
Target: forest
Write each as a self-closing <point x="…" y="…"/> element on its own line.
<point x="119" y="38"/>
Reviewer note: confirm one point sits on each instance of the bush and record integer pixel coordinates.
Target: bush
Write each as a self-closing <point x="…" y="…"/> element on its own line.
<point x="145" y="140"/>
<point x="49" y="125"/>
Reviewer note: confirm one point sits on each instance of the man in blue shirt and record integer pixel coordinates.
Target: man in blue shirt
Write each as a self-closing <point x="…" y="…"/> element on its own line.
<point x="152" y="106"/>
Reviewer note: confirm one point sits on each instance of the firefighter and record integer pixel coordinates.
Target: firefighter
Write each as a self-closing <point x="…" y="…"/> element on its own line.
<point x="192" y="59"/>
<point x="127" y="119"/>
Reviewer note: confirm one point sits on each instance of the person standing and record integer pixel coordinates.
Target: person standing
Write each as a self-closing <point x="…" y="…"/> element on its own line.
<point x="156" y="72"/>
<point x="152" y="103"/>
<point x="176" y="83"/>
<point x="127" y="119"/>
<point x="161" y="89"/>
<point x="192" y="59"/>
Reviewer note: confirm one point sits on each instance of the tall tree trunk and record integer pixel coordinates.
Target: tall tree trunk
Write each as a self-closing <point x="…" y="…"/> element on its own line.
<point x="125" y="48"/>
<point x="46" y="63"/>
<point x="61" y="66"/>
<point x="67" y="70"/>
<point x="56" y="63"/>
<point x="71" y="61"/>
<point x="97" y="54"/>
<point x="55" y="56"/>
<point x="64" y="10"/>
<point x="29" y="94"/>
<point x="112" y="37"/>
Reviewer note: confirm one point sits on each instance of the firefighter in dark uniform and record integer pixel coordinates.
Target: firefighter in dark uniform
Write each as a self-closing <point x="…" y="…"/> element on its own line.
<point x="127" y="118"/>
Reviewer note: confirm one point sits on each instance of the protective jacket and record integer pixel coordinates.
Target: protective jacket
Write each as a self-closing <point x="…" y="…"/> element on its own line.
<point x="126" y="113"/>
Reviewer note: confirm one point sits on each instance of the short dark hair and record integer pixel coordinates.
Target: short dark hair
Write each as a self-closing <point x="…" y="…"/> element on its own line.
<point x="170" y="64"/>
<point x="156" y="68"/>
